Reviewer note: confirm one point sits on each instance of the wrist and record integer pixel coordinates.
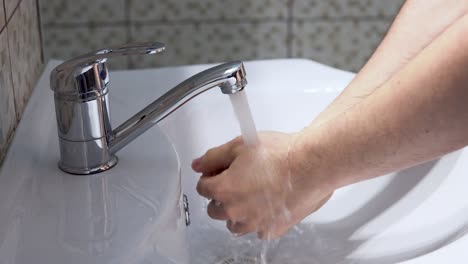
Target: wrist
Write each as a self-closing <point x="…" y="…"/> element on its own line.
<point x="310" y="166"/>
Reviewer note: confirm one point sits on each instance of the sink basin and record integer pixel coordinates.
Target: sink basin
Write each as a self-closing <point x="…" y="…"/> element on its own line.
<point x="413" y="216"/>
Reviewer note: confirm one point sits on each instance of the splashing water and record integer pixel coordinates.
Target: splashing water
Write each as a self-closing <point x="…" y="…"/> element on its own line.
<point x="248" y="249"/>
<point x="241" y="108"/>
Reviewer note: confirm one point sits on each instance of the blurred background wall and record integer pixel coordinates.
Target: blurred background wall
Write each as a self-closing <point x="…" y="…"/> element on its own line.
<point x="340" y="33"/>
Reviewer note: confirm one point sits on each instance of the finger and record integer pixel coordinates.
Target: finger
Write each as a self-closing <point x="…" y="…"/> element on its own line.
<point x="240" y="228"/>
<point x="206" y="186"/>
<point x="214" y="187"/>
<point x="216" y="159"/>
<point x="216" y="211"/>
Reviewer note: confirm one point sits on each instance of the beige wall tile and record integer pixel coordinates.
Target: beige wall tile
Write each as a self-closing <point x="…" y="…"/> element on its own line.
<point x="346" y="45"/>
<point x="7" y="101"/>
<point x="215" y="42"/>
<point x="345" y="8"/>
<point x="170" y="10"/>
<point x="67" y="43"/>
<point x="82" y="11"/>
<point x="10" y="6"/>
<point x="25" y="52"/>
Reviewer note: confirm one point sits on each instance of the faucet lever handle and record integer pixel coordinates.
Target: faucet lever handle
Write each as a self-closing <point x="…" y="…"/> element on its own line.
<point x="138" y="48"/>
<point x="63" y="77"/>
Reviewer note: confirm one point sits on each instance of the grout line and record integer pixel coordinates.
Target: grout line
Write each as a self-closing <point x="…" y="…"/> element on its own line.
<point x="86" y="24"/>
<point x="11" y="76"/>
<point x="4" y="15"/>
<point x="289" y="19"/>
<point x="9" y="134"/>
<point x="39" y="25"/>
<point x="343" y="19"/>
<point x="289" y="28"/>
<point x="166" y="22"/>
<point x="128" y="31"/>
<point x="248" y="20"/>
<point x="12" y="13"/>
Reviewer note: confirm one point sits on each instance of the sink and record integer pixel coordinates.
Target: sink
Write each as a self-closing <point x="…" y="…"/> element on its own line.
<point x="399" y="217"/>
<point x="413" y="216"/>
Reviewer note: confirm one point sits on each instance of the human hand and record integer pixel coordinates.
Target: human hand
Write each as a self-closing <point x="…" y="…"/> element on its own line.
<point x="258" y="188"/>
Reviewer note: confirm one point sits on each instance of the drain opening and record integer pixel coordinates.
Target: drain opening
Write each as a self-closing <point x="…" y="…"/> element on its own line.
<point x="239" y="260"/>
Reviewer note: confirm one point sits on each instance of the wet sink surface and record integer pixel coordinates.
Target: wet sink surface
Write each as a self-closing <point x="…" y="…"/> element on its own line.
<point x="119" y="216"/>
<point x="391" y="219"/>
<point x="414" y="215"/>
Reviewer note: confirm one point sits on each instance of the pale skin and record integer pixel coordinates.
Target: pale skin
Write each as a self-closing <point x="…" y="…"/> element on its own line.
<point x="408" y="105"/>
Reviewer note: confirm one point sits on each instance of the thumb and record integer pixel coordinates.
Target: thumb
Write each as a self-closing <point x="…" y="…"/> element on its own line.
<point x="216" y="159"/>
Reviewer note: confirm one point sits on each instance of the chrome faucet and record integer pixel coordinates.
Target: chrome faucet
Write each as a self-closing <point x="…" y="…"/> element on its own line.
<point x="87" y="141"/>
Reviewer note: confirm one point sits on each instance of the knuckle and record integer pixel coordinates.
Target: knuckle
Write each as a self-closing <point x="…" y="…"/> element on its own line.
<point x="232" y="147"/>
<point x="220" y="193"/>
<point x="240" y="227"/>
<point x="237" y="140"/>
<point x="215" y="211"/>
<point x="233" y="227"/>
<point x="210" y="153"/>
<point x="250" y="228"/>
<point x="211" y="211"/>
<point x="230" y="226"/>
<point x="212" y="190"/>
<point x="236" y="150"/>
<point x="202" y="189"/>
<point x="199" y="187"/>
<point x="231" y="212"/>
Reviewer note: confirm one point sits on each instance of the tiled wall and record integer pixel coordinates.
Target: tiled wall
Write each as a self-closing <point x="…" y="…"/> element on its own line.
<point x="20" y="62"/>
<point x="341" y="33"/>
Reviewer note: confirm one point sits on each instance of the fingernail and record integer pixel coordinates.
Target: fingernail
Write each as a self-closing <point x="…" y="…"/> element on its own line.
<point x="196" y="164"/>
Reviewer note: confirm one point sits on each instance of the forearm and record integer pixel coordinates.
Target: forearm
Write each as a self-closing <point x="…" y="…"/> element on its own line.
<point x="418" y="23"/>
<point x="419" y="114"/>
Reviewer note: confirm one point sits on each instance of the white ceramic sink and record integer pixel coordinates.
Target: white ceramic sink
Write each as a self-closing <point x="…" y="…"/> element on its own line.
<point x="415" y="216"/>
<point x="404" y="216"/>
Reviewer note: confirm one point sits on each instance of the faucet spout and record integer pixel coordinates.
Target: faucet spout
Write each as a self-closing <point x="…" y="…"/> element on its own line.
<point x="229" y="77"/>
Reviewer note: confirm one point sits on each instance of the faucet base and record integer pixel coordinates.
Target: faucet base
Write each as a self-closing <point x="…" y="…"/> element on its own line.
<point x="106" y="166"/>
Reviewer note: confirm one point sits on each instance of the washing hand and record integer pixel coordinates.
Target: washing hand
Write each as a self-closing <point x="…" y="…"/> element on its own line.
<point x="257" y="189"/>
